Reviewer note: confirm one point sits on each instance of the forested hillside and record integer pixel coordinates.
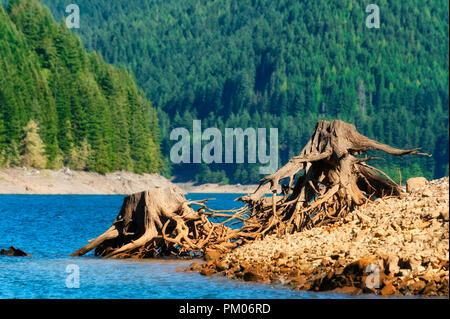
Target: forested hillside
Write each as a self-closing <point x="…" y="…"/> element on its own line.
<point x="60" y="106"/>
<point x="284" y="64"/>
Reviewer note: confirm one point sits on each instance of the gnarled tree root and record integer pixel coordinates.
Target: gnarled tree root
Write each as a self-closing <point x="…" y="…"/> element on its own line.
<point x="334" y="181"/>
<point x="161" y="222"/>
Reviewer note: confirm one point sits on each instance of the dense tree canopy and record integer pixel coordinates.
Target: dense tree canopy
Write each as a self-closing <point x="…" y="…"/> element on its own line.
<point x="283" y="64"/>
<point x="89" y="115"/>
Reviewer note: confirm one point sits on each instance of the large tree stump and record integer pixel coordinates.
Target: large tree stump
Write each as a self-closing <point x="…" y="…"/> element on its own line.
<point x="161" y="222"/>
<point x="332" y="182"/>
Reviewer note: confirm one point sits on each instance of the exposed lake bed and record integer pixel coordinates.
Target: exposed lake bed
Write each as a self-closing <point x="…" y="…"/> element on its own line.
<point x="70" y="182"/>
<point x="391" y="246"/>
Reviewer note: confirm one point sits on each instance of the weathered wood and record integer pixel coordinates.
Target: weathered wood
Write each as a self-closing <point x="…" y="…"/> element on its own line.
<point x="161" y="222"/>
<point x="333" y="180"/>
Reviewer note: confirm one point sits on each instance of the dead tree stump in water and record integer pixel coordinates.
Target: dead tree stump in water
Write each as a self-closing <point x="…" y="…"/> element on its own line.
<point x="161" y="222"/>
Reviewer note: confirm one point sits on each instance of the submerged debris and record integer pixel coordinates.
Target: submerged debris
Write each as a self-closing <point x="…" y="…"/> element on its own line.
<point x="12" y="251"/>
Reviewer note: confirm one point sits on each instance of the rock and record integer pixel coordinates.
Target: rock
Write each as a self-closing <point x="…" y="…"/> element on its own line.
<point x="12" y="251"/>
<point x="285" y="270"/>
<point x="294" y="273"/>
<point x="281" y="262"/>
<point x="407" y="238"/>
<point x="379" y="233"/>
<point x="430" y="288"/>
<point x="221" y="266"/>
<point x="206" y="272"/>
<point x="363" y="218"/>
<point x="348" y="290"/>
<point x="388" y="290"/>
<point x="415" y="183"/>
<point x="244" y="266"/>
<point x="435" y="214"/>
<point x="212" y="255"/>
<point x="195" y="267"/>
<point x="392" y="264"/>
<point x="427" y="193"/>
<point x="417" y="287"/>
<point x="280" y="254"/>
<point x="361" y="265"/>
<point x="253" y="274"/>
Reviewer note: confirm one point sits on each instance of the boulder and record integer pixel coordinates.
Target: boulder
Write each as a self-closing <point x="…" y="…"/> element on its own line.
<point x="391" y="262"/>
<point x="221" y="266"/>
<point x="195" y="267"/>
<point x="212" y="255"/>
<point x="253" y="274"/>
<point x="206" y="272"/>
<point x="415" y="183"/>
<point x="427" y="193"/>
<point x="388" y="290"/>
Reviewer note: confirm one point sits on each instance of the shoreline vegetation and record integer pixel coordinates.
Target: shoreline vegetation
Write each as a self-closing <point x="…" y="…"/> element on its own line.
<point x="21" y="180"/>
<point x="404" y="239"/>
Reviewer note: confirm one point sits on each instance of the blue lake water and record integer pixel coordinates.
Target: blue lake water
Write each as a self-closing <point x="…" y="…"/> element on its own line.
<point x="51" y="227"/>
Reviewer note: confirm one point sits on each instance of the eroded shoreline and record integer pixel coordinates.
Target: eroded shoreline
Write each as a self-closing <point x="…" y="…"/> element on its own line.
<point x="393" y="246"/>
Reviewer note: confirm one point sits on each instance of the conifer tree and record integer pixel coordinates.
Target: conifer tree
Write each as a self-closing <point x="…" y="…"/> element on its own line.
<point x="79" y="156"/>
<point x="32" y="147"/>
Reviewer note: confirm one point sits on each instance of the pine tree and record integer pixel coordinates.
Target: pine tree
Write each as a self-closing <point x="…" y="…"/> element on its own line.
<point x="32" y="147"/>
<point x="46" y="75"/>
<point x="79" y="156"/>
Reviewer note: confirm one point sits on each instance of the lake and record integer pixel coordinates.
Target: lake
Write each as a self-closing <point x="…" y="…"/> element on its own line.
<point x="51" y="227"/>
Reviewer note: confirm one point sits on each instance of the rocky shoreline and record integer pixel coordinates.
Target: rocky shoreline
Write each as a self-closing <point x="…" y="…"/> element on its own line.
<point x="393" y="246"/>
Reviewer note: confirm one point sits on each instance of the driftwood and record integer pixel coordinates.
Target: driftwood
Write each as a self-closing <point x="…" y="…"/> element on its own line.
<point x="333" y="182"/>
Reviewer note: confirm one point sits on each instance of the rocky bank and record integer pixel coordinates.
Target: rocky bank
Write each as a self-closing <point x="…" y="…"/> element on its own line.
<point x="392" y="246"/>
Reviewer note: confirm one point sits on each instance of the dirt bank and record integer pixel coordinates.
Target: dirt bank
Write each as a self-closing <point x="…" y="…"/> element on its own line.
<point x="66" y="181"/>
<point x="391" y="246"/>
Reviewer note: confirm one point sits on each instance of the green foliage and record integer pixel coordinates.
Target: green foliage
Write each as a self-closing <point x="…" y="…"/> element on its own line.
<point x="79" y="155"/>
<point x="287" y="63"/>
<point x="32" y="147"/>
<point x="205" y="175"/>
<point x="91" y="115"/>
